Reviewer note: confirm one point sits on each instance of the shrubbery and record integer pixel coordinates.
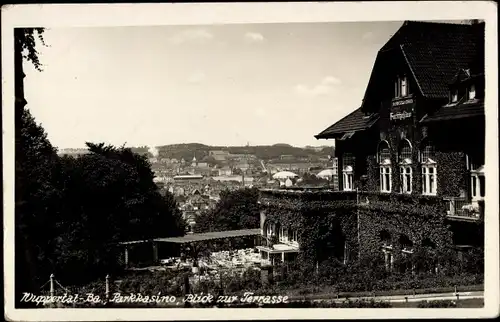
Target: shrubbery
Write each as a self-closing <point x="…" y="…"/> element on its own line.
<point x="313" y="304"/>
<point x="437" y="304"/>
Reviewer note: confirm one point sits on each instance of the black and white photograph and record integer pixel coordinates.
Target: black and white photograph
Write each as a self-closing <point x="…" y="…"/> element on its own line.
<point x="190" y="165"/>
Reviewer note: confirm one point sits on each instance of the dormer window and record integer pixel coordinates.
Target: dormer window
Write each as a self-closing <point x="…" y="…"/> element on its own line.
<point x="401" y="87"/>
<point x="472" y="92"/>
<point x="454" y="96"/>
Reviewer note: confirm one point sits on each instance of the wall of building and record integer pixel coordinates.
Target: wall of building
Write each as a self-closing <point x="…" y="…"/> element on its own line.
<point x="328" y="223"/>
<point x="348" y="225"/>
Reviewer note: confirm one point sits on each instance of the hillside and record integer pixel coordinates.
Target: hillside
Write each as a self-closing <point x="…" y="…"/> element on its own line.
<point x="264" y="152"/>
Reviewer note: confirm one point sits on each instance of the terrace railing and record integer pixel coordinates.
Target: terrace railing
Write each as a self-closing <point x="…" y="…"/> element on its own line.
<point x="460" y="207"/>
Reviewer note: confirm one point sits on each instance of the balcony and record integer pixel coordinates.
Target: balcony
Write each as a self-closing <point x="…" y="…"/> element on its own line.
<point x="455" y="208"/>
<point x="461" y="209"/>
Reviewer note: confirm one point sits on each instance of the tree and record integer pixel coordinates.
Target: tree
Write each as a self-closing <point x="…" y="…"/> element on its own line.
<point x="71" y="212"/>
<point x="309" y="179"/>
<point x="109" y="197"/>
<point x="236" y="209"/>
<point x="36" y="199"/>
<point x="237" y="171"/>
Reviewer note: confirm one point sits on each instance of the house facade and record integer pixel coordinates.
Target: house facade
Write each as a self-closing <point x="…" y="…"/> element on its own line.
<point x="421" y="126"/>
<point x="418" y="139"/>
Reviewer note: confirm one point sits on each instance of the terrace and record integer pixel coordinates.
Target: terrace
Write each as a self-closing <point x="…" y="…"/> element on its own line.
<point x="457" y="208"/>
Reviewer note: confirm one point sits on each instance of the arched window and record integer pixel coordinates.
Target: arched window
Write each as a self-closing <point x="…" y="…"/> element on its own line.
<point x="428" y="243"/>
<point x="405" y="169"/>
<point x="429" y="168"/>
<point x="384" y="158"/>
<point x="348" y="174"/>
<point x="384" y="153"/>
<point x="405" y="243"/>
<point x="404" y="154"/>
<point x="427" y="151"/>
<point x="472" y="92"/>
<point x="385" y="237"/>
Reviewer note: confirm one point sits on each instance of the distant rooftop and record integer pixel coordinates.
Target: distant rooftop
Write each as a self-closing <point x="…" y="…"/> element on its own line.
<point x="188" y="176"/>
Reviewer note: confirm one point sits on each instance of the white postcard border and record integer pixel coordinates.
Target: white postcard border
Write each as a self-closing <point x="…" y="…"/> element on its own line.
<point x="87" y="15"/>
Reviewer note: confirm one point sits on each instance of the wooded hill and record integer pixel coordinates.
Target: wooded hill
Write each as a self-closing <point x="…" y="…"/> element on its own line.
<point x="263" y="152"/>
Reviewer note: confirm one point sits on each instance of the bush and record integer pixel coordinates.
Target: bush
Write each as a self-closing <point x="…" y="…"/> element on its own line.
<point x="321" y="304"/>
<point x="437" y="304"/>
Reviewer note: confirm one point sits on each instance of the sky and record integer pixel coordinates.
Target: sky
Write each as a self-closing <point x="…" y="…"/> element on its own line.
<point x="216" y="84"/>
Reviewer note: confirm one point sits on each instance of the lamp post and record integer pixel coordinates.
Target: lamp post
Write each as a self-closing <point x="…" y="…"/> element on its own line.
<point x="107" y="287"/>
<point x="358" y="224"/>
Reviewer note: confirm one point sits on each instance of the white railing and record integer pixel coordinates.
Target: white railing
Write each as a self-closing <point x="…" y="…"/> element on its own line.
<point x="460" y="207"/>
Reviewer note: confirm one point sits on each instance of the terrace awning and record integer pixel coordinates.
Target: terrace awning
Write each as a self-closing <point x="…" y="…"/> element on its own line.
<point x="202" y="236"/>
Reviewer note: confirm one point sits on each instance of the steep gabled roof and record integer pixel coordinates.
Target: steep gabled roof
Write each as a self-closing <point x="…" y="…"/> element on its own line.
<point x="435" y="51"/>
<point x="355" y="121"/>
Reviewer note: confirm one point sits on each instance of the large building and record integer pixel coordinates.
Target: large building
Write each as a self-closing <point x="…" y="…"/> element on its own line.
<point x="421" y="123"/>
<point x="417" y="138"/>
<point x="72" y="152"/>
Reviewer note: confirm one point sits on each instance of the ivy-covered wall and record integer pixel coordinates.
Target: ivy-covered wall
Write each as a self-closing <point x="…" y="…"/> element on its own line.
<point x="326" y="220"/>
<point x="415" y="219"/>
<point x="373" y="174"/>
<point x="452" y="174"/>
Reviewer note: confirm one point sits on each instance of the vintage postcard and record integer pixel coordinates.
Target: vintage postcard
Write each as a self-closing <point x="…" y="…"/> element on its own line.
<point x="243" y="161"/>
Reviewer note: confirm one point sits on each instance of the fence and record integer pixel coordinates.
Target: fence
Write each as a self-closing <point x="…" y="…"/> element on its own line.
<point x="178" y="301"/>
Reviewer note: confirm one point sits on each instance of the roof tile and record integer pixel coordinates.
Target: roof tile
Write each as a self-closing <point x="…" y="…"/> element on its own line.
<point x="457" y="111"/>
<point x="355" y="121"/>
<point x="436" y="51"/>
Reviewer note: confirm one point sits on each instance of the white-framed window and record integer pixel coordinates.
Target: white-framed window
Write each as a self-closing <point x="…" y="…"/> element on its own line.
<point x="401" y="87"/>
<point x="429" y="178"/>
<point x="406" y="177"/>
<point x="454" y="96"/>
<point x="405" y="169"/>
<point x="429" y="168"/>
<point x="478" y="184"/>
<point x="404" y="86"/>
<point x="472" y="92"/>
<point x="385" y="178"/>
<point x="347" y="175"/>
<point x="269" y="230"/>
<point x="384" y="158"/>
<point x="427" y="152"/>
<point x="283" y="234"/>
<point x="294" y="236"/>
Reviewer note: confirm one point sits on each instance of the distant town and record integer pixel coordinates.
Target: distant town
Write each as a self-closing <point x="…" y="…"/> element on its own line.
<point x="196" y="173"/>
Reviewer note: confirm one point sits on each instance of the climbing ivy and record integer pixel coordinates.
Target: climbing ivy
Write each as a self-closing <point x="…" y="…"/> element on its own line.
<point x="452" y="173"/>
<point x="325" y="220"/>
<point x="416" y="168"/>
<point x="372" y="173"/>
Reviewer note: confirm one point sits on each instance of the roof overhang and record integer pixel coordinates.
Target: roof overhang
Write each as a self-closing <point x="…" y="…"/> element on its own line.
<point x="346" y="134"/>
<point x="431" y="119"/>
